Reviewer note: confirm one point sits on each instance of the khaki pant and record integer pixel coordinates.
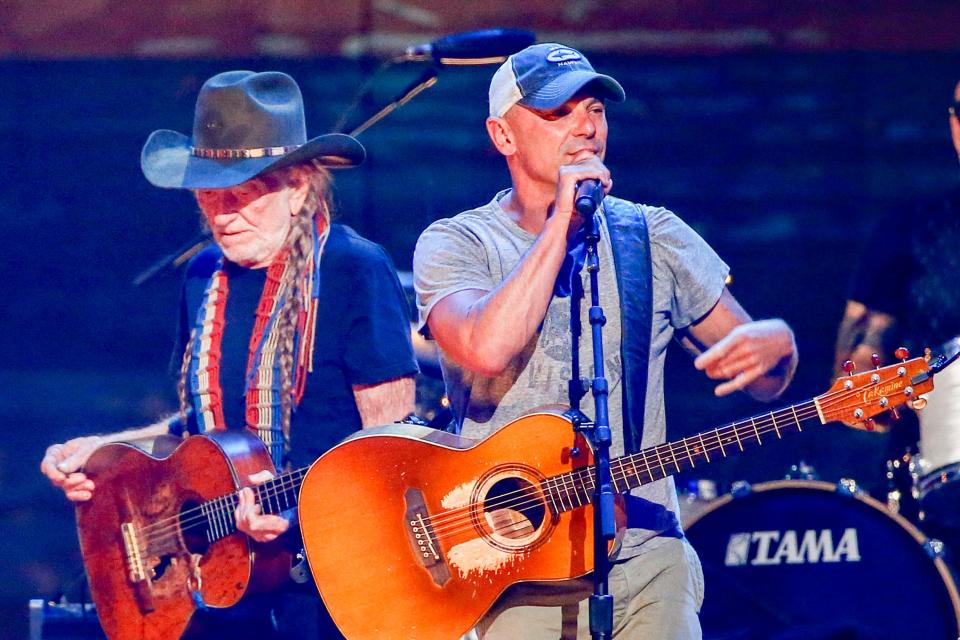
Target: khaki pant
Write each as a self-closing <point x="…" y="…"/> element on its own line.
<point x="657" y="596"/>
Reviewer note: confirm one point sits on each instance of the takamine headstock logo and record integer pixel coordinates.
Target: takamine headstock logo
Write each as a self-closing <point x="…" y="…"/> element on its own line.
<point x="881" y="390"/>
<point x="764" y="548"/>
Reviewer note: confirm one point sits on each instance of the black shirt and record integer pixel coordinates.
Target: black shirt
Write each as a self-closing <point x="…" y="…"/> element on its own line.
<point x="362" y="337"/>
<point x="911" y="270"/>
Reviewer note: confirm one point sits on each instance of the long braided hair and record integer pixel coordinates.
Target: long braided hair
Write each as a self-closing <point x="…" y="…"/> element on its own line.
<point x="311" y="222"/>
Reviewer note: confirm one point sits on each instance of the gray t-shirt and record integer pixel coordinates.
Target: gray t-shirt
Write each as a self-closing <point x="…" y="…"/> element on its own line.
<point x="477" y="249"/>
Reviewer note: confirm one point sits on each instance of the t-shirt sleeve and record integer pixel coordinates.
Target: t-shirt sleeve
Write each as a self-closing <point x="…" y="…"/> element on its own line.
<point x="685" y="266"/>
<point x="378" y="346"/>
<point x="448" y="258"/>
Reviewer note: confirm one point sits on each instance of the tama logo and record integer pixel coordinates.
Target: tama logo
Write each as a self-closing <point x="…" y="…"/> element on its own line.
<point x="563" y="54"/>
<point x="791" y="547"/>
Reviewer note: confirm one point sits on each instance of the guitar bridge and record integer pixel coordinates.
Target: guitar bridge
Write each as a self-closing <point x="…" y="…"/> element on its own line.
<point x="131" y="547"/>
<point x="423" y="538"/>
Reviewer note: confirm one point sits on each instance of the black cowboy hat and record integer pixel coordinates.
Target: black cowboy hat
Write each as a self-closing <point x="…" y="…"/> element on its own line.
<point x="245" y="123"/>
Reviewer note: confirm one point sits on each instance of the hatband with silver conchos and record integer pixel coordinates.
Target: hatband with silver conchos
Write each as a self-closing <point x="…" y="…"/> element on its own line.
<point x="231" y="154"/>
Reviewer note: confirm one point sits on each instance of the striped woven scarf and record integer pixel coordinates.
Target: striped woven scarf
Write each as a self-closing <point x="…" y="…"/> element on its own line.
<point x="264" y="412"/>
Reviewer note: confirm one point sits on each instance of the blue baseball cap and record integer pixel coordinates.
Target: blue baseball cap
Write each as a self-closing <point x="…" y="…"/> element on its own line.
<point x="544" y="76"/>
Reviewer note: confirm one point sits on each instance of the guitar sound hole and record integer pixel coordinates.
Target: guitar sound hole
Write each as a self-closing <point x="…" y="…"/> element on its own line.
<point x="193" y="528"/>
<point x="163" y="562"/>
<point x="513" y="508"/>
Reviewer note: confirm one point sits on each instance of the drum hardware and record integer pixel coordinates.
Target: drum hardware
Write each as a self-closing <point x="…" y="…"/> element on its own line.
<point x="802" y="471"/>
<point x="300" y="572"/>
<point x="696" y="495"/>
<point x="740" y="488"/>
<point x="934" y="548"/>
<point x="701" y="489"/>
<point x="901" y="475"/>
<point x="849" y="487"/>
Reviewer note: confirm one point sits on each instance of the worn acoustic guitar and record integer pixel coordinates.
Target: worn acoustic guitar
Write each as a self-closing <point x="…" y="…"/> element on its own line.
<point x="413" y="533"/>
<point x="159" y="537"/>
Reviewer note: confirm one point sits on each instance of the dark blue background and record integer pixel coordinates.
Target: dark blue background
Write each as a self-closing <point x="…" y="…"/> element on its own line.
<point x="780" y="161"/>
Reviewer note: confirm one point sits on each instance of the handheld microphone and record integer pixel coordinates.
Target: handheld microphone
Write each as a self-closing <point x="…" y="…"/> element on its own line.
<point x="589" y="196"/>
<point x="487" y="46"/>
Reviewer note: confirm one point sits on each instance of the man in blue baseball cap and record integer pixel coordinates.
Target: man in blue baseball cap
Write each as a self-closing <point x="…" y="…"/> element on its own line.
<point x="497" y="286"/>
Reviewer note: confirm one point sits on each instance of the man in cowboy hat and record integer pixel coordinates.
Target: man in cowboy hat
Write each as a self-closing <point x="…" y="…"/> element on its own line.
<point x="286" y="306"/>
<point x="497" y="287"/>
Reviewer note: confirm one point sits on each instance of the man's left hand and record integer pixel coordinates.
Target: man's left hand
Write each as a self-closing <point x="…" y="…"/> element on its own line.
<point x="249" y="516"/>
<point x="746" y="355"/>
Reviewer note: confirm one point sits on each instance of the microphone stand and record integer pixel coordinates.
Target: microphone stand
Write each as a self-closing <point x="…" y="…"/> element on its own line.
<point x="175" y="259"/>
<point x="426" y="80"/>
<point x="597" y="432"/>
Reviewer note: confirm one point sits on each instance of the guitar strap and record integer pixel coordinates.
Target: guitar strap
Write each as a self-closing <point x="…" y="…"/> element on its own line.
<point x="630" y="243"/>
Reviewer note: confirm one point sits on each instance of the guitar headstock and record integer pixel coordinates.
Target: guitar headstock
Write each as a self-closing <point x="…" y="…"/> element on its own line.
<point x="855" y="399"/>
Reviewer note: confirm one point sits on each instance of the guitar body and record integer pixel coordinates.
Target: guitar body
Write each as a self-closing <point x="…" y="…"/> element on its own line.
<point x="413" y="533"/>
<point x="482" y="523"/>
<point x="140" y="544"/>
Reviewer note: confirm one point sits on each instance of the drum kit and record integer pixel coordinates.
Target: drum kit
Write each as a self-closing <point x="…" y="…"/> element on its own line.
<point x="794" y="559"/>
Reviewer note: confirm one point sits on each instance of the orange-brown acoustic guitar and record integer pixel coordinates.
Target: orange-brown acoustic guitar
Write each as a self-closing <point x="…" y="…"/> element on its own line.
<point x="414" y="533"/>
<point x="159" y="535"/>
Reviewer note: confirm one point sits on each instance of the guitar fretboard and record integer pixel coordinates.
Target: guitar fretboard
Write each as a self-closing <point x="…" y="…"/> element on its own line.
<point x="274" y="496"/>
<point x="575" y="489"/>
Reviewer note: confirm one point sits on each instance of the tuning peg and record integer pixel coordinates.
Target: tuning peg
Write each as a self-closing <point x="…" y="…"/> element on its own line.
<point x="918" y="404"/>
<point x="849" y="366"/>
<point x="902" y="353"/>
<point x="875" y="359"/>
<point x="894" y="414"/>
<point x="870" y="424"/>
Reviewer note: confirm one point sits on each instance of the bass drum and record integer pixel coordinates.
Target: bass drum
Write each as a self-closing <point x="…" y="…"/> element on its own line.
<point x="803" y="559"/>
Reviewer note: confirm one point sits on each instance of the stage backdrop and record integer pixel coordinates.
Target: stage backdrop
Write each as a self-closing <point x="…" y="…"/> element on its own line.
<point x="780" y="159"/>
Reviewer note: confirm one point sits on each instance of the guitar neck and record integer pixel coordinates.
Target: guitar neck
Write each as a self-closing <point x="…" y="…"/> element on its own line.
<point x="274" y="496"/>
<point x="575" y="489"/>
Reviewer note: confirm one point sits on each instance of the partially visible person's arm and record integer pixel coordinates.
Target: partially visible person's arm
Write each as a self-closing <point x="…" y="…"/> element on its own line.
<point x="862" y="333"/>
<point x="386" y="402"/>
<point x="61" y="462"/>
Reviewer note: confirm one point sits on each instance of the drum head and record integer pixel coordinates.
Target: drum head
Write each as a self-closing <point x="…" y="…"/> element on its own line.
<point x="796" y="559"/>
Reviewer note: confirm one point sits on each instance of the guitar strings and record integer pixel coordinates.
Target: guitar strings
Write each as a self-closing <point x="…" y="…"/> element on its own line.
<point x="448" y="523"/>
<point x="285" y="481"/>
<point x="225" y="524"/>
<point x="445" y="527"/>
<point x="222" y="507"/>
<point x="450" y="517"/>
<point x="674" y="451"/>
<point x="278" y="487"/>
<point x="170" y="527"/>
<point x="716" y="441"/>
